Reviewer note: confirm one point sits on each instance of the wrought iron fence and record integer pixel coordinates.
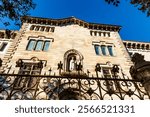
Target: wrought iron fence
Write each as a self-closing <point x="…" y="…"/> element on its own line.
<point x="52" y="87"/>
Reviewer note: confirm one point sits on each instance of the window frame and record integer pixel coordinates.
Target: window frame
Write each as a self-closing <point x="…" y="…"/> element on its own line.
<point x="43" y="46"/>
<point x="115" y="86"/>
<point x="36" y="45"/>
<point x="31" y="71"/>
<point x="3" y="46"/>
<point x="27" y="48"/>
<point x="106" y="48"/>
<point x="97" y="49"/>
<point x="28" y="68"/>
<point x="111" y="53"/>
<point x="109" y="70"/>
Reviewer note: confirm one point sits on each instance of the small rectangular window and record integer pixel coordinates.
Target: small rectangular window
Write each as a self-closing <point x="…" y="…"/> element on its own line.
<point x="31" y="44"/>
<point x="46" y="45"/>
<point x="97" y="49"/>
<point x="110" y="51"/>
<point x="103" y="48"/>
<point x="3" y="46"/>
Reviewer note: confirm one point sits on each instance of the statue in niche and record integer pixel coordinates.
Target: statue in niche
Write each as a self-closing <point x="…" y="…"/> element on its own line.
<point x="72" y="64"/>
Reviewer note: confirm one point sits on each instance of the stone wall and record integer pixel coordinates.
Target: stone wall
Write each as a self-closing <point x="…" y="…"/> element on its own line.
<point x="69" y="37"/>
<point x="138" y="47"/>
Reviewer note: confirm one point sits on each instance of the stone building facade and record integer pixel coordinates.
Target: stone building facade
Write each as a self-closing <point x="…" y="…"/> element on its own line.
<point x="66" y="48"/>
<point x="6" y="38"/>
<point x="70" y="37"/>
<point x="138" y="47"/>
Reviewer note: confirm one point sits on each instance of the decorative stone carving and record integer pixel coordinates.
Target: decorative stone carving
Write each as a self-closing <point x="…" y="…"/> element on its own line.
<point x="141" y="70"/>
<point x="72" y="64"/>
<point x="73" y="61"/>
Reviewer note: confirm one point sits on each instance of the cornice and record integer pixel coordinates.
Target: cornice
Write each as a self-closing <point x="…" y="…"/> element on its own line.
<point x="68" y="21"/>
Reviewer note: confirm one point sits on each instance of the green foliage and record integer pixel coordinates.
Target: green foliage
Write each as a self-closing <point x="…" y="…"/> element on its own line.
<point x="142" y="5"/>
<point x="14" y="9"/>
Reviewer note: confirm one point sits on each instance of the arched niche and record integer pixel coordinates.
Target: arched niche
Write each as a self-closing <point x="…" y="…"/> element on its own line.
<point x="72" y="58"/>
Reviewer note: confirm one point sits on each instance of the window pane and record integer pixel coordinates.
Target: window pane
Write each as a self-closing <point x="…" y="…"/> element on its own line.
<point x="46" y="45"/>
<point x="3" y="46"/>
<point x="106" y="73"/>
<point x="110" y="50"/>
<point x="31" y="45"/>
<point x="103" y="47"/>
<point x="39" y="45"/>
<point x="97" y="49"/>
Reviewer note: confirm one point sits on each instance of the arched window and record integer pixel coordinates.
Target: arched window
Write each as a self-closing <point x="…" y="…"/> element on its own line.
<point x="39" y="45"/>
<point x="46" y="45"/>
<point x="147" y="47"/>
<point x="31" y="44"/>
<point x="32" y="27"/>
<point x="129" y="45"/>
<point x="133" y="46"/>
<point x="103" y="48"/>
<point x="143" y="46"/>
<point x="110" y="50"/>
<point x="97" y="49"/>
<point x="138" y="46"/>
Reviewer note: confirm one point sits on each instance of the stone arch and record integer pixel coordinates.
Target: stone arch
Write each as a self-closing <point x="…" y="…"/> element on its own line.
<point x="72" y="54"/>
<point x="143" y="46"/>
<point x="65" y="91"/>
<point x="138" y="46"/>
<point x="134" y="46"/>
<point x="72" y="94"/>
<point x="129" y="45"/>
<point x="147" y="47"/>
<point x="34" y="59"/>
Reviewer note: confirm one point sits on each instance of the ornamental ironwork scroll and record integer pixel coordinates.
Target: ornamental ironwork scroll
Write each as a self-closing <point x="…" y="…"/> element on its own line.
<point x="52" y="87"/>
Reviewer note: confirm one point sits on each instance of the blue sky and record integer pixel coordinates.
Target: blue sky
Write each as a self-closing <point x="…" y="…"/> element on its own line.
<point x="135" y="24"/>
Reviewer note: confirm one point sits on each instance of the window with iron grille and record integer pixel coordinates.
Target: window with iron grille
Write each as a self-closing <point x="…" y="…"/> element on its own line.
<point x="110" y="84"/>
<point x="28" y="69"/>
<point x="107" y="73"/>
